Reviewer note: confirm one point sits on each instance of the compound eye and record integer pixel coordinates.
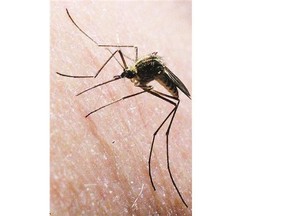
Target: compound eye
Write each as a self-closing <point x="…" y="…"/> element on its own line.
<point x="129" y="74"/>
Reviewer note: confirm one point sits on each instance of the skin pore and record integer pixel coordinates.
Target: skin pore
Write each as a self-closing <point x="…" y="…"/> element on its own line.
<point x="99" y="164"/>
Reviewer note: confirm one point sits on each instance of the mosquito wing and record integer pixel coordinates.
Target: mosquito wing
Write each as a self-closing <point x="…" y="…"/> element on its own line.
<point x="177" y="82"/>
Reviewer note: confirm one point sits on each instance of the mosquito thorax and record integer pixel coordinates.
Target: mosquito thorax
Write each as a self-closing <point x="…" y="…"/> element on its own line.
<point x="128" y="74"/>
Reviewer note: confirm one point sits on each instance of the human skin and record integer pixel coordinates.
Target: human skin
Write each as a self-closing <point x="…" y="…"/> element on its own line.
<point x="99" y="164"/>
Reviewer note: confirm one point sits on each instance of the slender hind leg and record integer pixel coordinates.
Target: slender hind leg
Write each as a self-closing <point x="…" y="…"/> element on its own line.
<point x="167" y="151"/>
<point x="173" y="112"/>
<point x="151" y="149"/>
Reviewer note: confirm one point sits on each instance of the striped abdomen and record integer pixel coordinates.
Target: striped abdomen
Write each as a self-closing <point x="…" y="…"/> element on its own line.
<point x="164" y="80"/>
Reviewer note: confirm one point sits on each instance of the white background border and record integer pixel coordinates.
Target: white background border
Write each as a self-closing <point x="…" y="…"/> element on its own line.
<point x="24" y="109"/>
<point x="240" y="107"/>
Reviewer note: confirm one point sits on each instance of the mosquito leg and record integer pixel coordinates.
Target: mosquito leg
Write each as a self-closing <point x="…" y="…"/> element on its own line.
<point x="113" y="54"/>
<point x="158" y="94"/>
<point x="71" y="76"/>
<point x="167" y="151"/>
<point x="114" y="79"/>
<point x="101" y="45"/>
<point x="173" y="112"/>
<point x="113" y="102"/>
<point x="119" y="46"/>
<point x="151" y="149"/>
<point x="165" y="95"/>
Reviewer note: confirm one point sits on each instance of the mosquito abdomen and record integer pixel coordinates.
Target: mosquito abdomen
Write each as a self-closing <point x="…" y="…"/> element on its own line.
<point x="164" y="80"/>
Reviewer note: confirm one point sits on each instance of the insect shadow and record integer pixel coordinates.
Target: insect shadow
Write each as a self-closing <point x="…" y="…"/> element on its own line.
<point x="141" y="73"/>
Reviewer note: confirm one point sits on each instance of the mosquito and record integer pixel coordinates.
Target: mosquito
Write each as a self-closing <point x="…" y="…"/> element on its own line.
<point x="141" y="73"/>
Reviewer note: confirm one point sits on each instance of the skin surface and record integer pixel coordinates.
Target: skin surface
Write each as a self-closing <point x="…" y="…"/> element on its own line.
<point x="99" y="164"/>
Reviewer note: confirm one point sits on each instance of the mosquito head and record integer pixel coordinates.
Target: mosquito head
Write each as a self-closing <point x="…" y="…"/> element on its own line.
<point x="128" y="74"/>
